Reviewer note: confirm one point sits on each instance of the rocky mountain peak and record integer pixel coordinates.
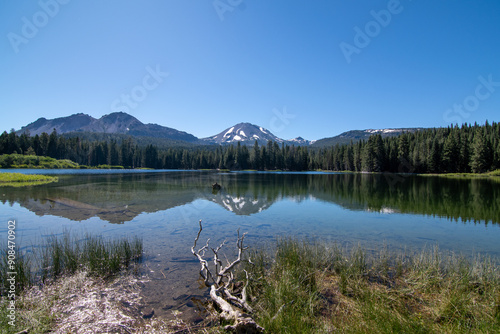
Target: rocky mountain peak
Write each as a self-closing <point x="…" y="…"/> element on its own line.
<point x="245" y="133"/>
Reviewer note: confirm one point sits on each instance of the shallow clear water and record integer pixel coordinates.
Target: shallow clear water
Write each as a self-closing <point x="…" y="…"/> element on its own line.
<point x="163" y="207"/>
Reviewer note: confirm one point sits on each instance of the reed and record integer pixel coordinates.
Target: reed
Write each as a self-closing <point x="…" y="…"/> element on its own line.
<point x="65" y="255"/>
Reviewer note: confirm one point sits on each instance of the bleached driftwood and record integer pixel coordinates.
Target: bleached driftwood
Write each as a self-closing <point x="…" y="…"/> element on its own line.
<point x="234" y="306"/>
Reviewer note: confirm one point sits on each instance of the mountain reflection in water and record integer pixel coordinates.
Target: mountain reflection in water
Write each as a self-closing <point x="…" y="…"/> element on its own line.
<point x="118" y="198"/>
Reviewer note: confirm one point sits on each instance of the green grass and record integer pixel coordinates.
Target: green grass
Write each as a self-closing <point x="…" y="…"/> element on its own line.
<point x="312" y="288"/>
<point x="34" y="161"/>
<point x="22" y="180"/>
<point x="493" y="174"/>
<point x="109" y="167"/>
<point x="302" y="287"/>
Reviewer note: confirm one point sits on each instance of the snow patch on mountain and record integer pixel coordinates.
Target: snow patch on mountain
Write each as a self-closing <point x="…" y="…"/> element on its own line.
<point x="300" y="141"/>
<point x="383" y="130"/>
<point x="245" y="133"/>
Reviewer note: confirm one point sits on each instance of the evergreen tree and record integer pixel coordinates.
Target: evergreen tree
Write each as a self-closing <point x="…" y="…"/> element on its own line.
<point x="496" y="162"/>
<point x="403" y="148"/>
<point x="52" y="145"/>
<point x="434" y="165"/>
<point x="357" y="156"/>
<point x="465" y="155"/>
<point x="127" y="153"/>
<point x="113" y="155"/>
<point x="348" y="159"/>
<point x="380" y="156"/>
<point x="373" y="158"/>
<point x="451" y="154"/>
<point x="368" y="157"/>
<point x="242" y="156"/>
<point x="255" y="156"/>
<point x="479" y="160"/>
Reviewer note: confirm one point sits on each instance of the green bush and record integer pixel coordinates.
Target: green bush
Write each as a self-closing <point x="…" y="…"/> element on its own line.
<point x="33" y="161"/>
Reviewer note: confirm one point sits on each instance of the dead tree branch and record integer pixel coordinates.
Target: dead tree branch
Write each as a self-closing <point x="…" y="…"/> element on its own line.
<point x="220" y="280"/>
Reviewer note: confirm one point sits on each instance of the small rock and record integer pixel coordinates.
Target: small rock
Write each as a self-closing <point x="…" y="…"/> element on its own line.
<point x="148" y="313"/>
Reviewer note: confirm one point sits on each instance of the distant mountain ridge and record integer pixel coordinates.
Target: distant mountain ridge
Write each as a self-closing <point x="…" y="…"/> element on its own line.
<point x="357" y="135"/>
<point x="121" y="123"/>
<point x="115" y="123"/>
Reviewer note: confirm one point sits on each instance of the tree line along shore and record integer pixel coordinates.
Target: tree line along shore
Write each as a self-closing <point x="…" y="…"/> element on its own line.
<point x="455" y="149"/>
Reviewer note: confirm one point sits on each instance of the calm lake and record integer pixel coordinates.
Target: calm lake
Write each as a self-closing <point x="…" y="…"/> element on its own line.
<point x="163" y="207"/>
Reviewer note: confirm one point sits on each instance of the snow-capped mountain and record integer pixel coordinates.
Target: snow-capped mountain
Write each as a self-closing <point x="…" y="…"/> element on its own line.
<point x="244" y="204"/>
<point x="357" y="135"/>
<point x="299" y="141"/>
<point x="246" y="133"/>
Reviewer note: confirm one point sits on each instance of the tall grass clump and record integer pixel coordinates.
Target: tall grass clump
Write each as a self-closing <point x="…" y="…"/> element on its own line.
<point x="65" y="255"/>
<point x="64" y="272"/>
<point x="306" y="287"/>
<point x="100" y="257"/>
<point x="287" y="288"/>
<point x="105" y="258"/>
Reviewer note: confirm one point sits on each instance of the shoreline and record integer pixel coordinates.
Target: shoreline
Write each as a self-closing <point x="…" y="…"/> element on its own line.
<point x="343" y="290"/>
<point x="492" y="174"/>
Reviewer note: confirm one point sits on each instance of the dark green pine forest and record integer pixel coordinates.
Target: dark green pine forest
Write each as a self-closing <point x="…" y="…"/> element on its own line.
<point x="455" y="149"/>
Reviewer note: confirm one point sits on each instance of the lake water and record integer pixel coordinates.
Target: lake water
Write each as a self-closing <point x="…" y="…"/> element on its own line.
<point x="164" y="207"/>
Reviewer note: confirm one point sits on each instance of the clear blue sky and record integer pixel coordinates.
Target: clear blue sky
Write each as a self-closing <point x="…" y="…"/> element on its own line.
<point x="299" y="68"/>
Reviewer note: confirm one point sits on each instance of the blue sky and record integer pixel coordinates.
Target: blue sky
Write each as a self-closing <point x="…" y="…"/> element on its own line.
<point x="298" y="68"/>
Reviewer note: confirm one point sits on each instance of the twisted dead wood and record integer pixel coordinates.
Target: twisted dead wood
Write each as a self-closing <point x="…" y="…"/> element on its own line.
<point x="220" y="281"/>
